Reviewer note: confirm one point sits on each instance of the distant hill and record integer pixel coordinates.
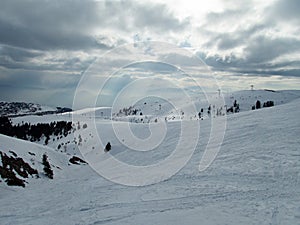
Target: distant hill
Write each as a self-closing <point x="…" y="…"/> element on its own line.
<point x="150" y="109"/>
<point x="19" y="108"/>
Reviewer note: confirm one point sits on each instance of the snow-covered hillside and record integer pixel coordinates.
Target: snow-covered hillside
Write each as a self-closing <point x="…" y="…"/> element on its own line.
<point x="152" y="108"/>
<point x="22" y="108"/>
<point x="248" y="98"/>
<point x="32" y="154"/>
<point x="255" y="178"/>
<point x="102" y="112"/>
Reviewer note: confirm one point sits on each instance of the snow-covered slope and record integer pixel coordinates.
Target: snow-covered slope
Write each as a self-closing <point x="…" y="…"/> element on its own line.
<point x="32" y="154"/>
<point x="152" y="108"/>
<point x="247" y="99"/>
<point x="255" y="179"/>
<point x="22" y="108"/>
<point x="98" y="112"/>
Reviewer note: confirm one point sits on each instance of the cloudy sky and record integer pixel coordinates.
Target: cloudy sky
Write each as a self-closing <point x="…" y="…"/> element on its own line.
<point x="46" y="46"/>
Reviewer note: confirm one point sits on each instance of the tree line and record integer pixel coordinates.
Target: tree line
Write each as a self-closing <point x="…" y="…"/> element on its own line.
<point x="34" y="132"/>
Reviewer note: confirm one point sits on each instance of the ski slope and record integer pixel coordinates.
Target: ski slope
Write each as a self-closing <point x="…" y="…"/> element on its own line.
<point x="255" y="178"/>
<point x="152" y="108"/>
<point x="32" y="153"/>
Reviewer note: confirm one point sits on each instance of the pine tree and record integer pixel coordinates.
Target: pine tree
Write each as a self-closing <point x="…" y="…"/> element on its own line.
<point x="107" y="147"/>
<point x="47" y="168"/>
<point x="258" y="104"/>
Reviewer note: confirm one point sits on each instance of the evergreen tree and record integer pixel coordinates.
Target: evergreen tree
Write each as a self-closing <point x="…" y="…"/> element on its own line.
<point x="258" y="104"/>
<point x="108" y="147"/>
<point x="47" y="168"/>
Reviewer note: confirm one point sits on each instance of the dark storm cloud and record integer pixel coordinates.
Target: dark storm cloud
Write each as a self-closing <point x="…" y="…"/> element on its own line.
<point x="259" y="51"/>
<point x="24" y="59"/>
<point x="45" y="45"/>
<point x="73" y="24"/>
<point x="37" y="80"/>
<point x="230" y="40"/>
<point x="17" y="54"/>
<point x="48" y="24"/>
<point x="263" y="49"/>
<point x="240" y="66"/>
<point x="49" y="88"/>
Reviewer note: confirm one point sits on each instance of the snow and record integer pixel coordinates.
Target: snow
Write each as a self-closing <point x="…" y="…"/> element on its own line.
<point x="155" y="108"/>
<point x="98" y="112"/>
<point x="32" y="153"/>
<point x="21" y="108"/>
<point x="33" y="119"/>
<point x="254" y="179"/>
